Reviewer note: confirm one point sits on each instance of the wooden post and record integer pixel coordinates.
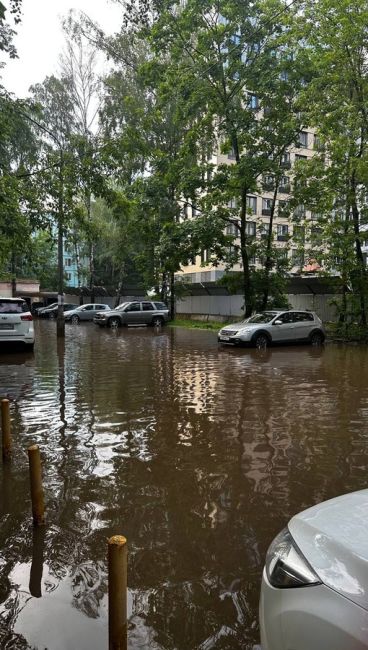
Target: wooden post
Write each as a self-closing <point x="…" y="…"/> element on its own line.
<point x="5" y="427"/>
<point x="38" y="508"/>
<point x="117" y="567"/>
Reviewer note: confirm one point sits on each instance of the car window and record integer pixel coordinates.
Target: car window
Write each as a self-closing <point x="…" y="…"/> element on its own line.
<point x="122" y="306"/>
<point x="13" y="307"/>
<point x="160" y="305"/>
<point x="100" y="307"/>
<point x="88" y="308"/>
<point x="285" y="318"/>
<point x="134" y="306"/>
<point x="265" y="317"/>
<point x="147" y="306"/>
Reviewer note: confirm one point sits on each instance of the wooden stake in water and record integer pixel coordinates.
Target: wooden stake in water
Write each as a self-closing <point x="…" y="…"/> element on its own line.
<point x="5" y="429"/>
<point x="117" y="568"/>
<point x="38" y="508"/>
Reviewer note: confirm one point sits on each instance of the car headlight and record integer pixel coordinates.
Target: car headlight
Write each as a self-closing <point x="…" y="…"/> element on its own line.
<point x="286" y="566"/>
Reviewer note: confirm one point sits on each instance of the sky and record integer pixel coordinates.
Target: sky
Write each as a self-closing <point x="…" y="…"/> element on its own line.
<point x="39" y="39"/>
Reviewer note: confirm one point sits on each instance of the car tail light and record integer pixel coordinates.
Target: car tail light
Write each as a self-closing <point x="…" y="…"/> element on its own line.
<point x="26" y="317"/>
<point x="286" y="566"/>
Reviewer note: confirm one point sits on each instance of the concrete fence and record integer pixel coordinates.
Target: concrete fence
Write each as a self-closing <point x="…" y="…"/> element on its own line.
<point x="223" y="308"/>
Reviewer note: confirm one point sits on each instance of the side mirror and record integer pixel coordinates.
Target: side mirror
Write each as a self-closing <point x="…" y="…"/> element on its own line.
<point x="277" y="322"/>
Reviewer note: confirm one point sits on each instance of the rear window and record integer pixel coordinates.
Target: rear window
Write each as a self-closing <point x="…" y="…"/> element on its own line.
<point x="13" y="307"/>
<point x="160" y="305"/>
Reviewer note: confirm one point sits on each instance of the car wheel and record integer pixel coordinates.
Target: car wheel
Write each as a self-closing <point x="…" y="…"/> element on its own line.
<point x="317" y="338"/>
<point x="75" y="319"/>
<point x="157" y="321"/>
<point x="261" y="341"/>
<point x="114" y="323"/>
<point x="52" y="316"/>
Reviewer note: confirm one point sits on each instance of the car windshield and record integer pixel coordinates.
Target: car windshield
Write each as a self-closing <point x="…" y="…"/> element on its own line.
<point x="266" y="317"/>
<point x="122" y="306"/>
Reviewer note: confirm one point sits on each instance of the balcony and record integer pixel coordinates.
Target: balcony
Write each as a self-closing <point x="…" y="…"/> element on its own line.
<point x="285" y="164"/>
<point x="282" y="237"/>
<point x="266" y="212"/>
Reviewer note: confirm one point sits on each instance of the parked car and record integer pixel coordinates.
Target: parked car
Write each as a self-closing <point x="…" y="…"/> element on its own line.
<point x="84" y="312"/>
<point x="51" y="312"/>
<point x="16" y="322"/>
<point x="275" y="326"/>
<point x="38" y="310"/>
<point x="143" y="312"/>
<point x="314" y="591"/>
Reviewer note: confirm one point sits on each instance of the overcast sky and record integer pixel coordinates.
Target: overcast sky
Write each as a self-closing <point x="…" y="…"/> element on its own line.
<point x="39" y="39"/>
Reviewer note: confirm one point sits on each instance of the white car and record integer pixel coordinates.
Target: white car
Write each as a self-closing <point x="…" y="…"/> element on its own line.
<point x="275" y="326"/>
<point x="314" y="592"/>
<point x="16" y="322"/>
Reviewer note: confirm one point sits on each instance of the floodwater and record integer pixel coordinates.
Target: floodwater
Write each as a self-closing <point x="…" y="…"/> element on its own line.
<point x="198" y="455"/>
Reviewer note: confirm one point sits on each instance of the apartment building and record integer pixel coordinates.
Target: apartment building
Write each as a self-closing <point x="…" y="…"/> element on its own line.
<point x="295" y="231"/>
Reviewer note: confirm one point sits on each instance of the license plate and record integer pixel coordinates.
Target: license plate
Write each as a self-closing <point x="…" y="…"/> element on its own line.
<point x="224" y="338"/>
<point x="4" y="326"/>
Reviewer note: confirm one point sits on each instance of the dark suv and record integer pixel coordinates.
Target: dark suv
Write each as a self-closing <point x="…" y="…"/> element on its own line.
<point x="137" y="312"/>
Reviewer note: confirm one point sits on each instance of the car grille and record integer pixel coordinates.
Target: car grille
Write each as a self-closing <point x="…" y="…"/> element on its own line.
<point x="229" y="332"/>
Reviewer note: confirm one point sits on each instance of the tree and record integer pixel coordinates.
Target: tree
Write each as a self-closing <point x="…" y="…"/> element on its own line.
<point x="335" y="183"/>
<point x="236" y="72"/>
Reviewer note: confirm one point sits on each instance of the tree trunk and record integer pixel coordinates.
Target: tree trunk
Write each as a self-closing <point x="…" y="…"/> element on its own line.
<point x="13" y="275"/>
<point x="172" y="295"/>
<point x="268" y="262"/>
<point x="358" y="251"/>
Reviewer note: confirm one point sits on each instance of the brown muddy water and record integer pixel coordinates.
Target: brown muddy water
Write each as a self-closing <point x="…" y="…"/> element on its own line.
<point x="198" y="455"/>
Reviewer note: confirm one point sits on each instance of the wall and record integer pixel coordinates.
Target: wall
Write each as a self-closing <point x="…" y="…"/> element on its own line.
<point x="226" y="307"/>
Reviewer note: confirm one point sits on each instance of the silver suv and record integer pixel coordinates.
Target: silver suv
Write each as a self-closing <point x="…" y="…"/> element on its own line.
<point x="142" y="312"/>
<point x="275" y="326"/>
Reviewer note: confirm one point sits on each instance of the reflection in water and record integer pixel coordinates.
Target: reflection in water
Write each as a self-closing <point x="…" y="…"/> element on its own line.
<point x="199" y="455"/>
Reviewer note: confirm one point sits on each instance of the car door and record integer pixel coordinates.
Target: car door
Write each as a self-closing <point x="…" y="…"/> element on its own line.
<point x="148" y="310"/>
<point x="86" y="313"/>
<point x="132" y="313"/>
<point x="283" y="327"/>
<point x="302" y="325"/>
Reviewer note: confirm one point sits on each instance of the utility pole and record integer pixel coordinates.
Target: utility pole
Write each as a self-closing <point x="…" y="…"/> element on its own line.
<point x="60" y="321"/>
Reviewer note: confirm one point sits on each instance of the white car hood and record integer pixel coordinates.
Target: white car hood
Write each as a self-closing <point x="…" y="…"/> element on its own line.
<point x="333" y="536"/>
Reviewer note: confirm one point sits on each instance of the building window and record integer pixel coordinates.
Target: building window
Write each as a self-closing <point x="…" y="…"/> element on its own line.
<point x="300" y="157"/>
<point x="282" y="254"/>
<point x="268" y="182"/>
<point x="68" y="276"/>
<point x="282" y="232"/>
<point x="299" y="233"/>
<point x="285" y="160"/>
<point x="266" y="207"/>
<point x="232" y="229"/>
<point x="68" y="261"/>
<point x="299" y="211"/>
<point x="283" y="208"/>
<point x="264" y="230"/>
<point x="252" y="204"/>
<point x="284" y="184"/>
<point x="284" y="75"/>
<point x="250" y="228"/>
<point x="317" y="143"/>
<point x="303" y="139"/>
<point x="232" y="204"/>
<point x="253" y="101"/>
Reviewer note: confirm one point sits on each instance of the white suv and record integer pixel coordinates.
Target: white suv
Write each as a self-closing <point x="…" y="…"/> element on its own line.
<point x="16" y="322"/>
